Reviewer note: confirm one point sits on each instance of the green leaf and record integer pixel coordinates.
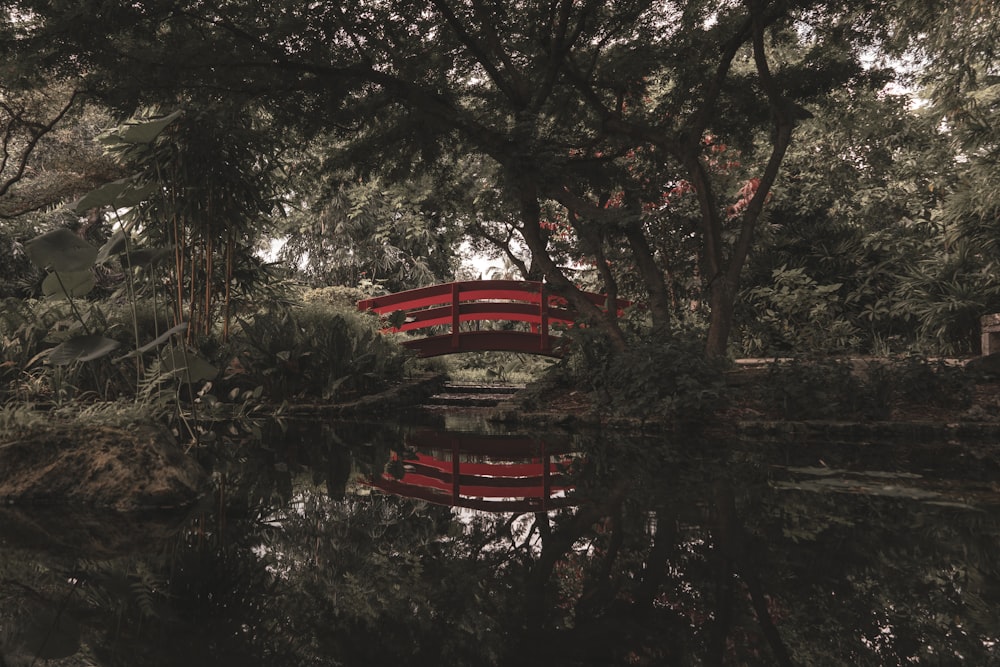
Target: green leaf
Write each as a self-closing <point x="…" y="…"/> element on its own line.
<point x="190" y="366"/>
<point x="149" y="256"/>
<point x="123" y="193"/>
<point x="159" y="340"/>
<point x="82" y="348"/>
<point x="115" y="245"/>
<point x="68" y="284"/>
<point x="99" y="197"/>
<point x="143" y="132"/>
<point x="60" y="250"/>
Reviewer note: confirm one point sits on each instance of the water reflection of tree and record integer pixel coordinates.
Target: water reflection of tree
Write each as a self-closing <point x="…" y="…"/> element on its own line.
<point x="704" y="561"/>
<point x="883" y="583"/>
<point x="683" y="554"/>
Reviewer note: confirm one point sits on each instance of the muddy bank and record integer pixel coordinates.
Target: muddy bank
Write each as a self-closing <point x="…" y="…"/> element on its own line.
<point x="85" y="465"/>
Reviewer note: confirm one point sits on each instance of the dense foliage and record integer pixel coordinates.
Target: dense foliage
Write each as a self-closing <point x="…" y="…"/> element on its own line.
<point x="783" y="174"/>
<point x="761" y="177"/>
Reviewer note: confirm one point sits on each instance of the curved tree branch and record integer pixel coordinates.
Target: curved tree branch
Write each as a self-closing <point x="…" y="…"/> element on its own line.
<point x="531" y="231"/>
<point x="481" y="51"/>
<point x="15" y="122"/>
<point x="781" y="138"/>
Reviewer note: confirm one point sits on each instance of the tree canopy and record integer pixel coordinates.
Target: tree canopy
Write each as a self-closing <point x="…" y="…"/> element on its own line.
<point x="646" y="141"/>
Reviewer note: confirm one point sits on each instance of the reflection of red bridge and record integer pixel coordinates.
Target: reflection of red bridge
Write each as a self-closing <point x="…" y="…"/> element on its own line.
<point x="498" y="473"/>
<point x="451" y="304"/>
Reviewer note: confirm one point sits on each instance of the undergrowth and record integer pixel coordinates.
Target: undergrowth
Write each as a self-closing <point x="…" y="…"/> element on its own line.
<point x="663" y="375"/>
<point x="832" y="388"/>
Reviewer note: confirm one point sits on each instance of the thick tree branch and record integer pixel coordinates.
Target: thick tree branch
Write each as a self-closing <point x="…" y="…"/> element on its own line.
<point x="481" y="52"/>
<point x="702" y="117"/>
<point x="531" y="232"/>
<point x="645" y="261"/>
<point x="558" y="46"/>
<point x="504" y="246"/>
<point x="735" y="558"/>
<point x="781" y="138"/>
<point x="598" y="592"/>
<point x="36" y="130"/>
<point x="556" y="544"/>
<point x="593" y="242"/>
<point x="713" y="256"/>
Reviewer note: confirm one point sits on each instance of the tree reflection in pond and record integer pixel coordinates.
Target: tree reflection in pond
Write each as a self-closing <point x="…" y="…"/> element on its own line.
<point x="672" y="553"/>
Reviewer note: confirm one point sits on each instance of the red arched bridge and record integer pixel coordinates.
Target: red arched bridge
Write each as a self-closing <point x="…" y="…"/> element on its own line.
<point x="452" y="304"/>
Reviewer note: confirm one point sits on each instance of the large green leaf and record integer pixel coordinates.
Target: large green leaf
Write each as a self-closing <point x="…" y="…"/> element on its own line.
<point x="117" y="245"/>
<point x="82" y="348"/>
<point x="114" y="246"/>
<point x="68" y="284"/>
<point x="143" y="132"/>
<point x="159" y="340"/>
<point x="60" y="250"/>
<point x="190" y="366"/>
<point x="123" y="193"/>
<point x="150" y="256"/>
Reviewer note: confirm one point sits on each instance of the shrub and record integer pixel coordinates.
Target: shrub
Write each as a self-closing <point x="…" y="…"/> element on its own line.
<point x="919" y="380"/>
<point x="815" y="389"/>
<point x="339" y="296"/>
<point x="795" y="313"/>
<point x="656" y="375"/>
<point x="315" y="350"/>
<point x="827" y="388"/>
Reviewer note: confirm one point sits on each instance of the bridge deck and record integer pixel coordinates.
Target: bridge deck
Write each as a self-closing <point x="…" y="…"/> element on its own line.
<point x="454" y="304"/>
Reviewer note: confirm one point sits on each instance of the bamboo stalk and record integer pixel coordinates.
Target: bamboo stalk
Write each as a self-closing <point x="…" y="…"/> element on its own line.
<point x="178" y="269"/>
<point x="207" y="305"/>
<point x="230" y="243"/>
<point x="193" y="307"/>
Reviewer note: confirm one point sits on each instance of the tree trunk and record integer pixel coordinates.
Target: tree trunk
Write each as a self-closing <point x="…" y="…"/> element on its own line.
<point x="734" y="550"/>
<point x="593" y="242"/>
<point x="656" y="562"/>
<point x="722" y="301"/>
<point x="652" y="277"/>
<point x="607" y="322"/>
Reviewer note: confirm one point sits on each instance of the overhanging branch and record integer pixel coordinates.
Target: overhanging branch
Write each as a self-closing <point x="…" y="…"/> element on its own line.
<point x="17" y="122"/>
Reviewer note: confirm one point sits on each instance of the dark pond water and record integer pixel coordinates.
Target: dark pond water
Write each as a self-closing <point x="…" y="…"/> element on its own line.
<point x="452" y="542"/>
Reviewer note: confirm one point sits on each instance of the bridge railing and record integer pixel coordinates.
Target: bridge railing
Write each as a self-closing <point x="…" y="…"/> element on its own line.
<point x="474" y="301"/>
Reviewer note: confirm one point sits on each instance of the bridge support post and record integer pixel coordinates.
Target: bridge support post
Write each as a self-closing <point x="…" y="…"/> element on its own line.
<point x="543" y="327"/>
<point x="546" y="477"/>
<point x="456" y="319"/>
<point x="456" y="473"/>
